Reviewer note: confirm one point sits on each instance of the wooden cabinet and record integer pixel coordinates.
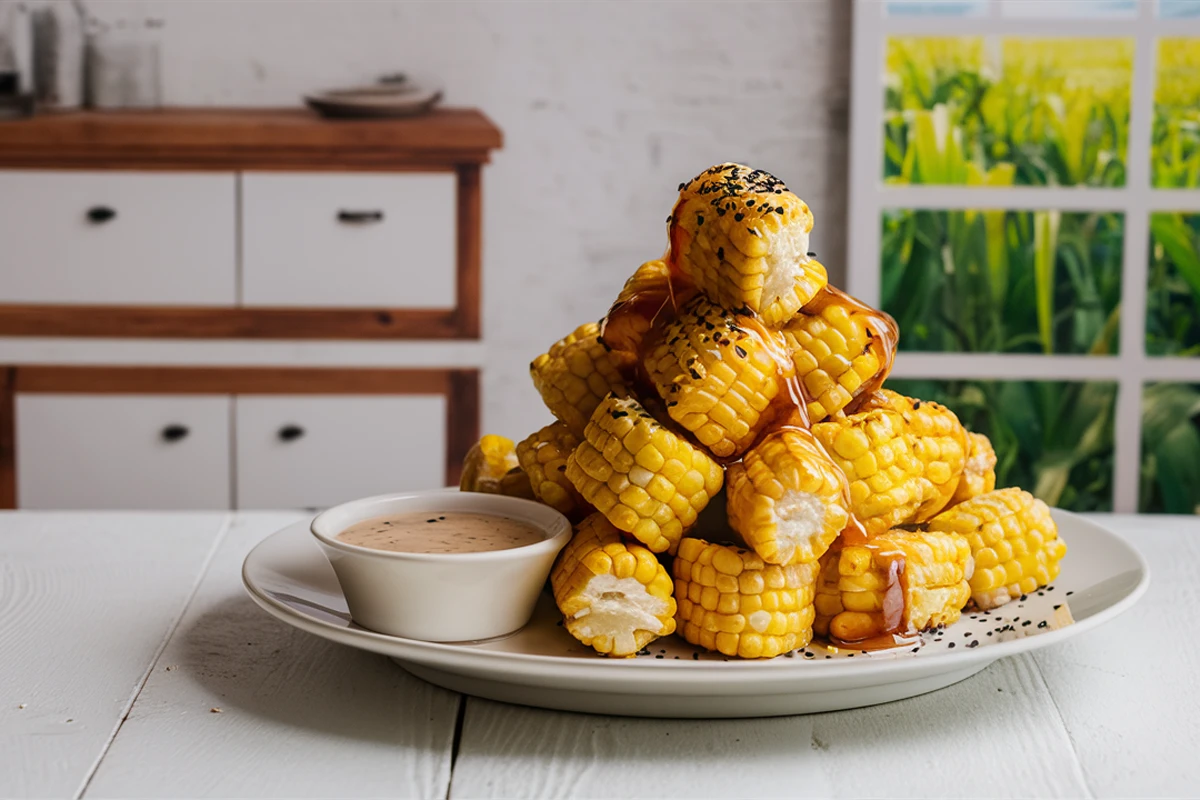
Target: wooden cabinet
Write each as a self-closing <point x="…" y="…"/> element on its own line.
<point x="205" y="438"/>
<point x="318" y="451"/>
<point x="238" y="225"/>
<point x="93" y="238"/>
<point x="337" y="240"/>
<point x="356" y="229"/>
<point x="111" y="451"/>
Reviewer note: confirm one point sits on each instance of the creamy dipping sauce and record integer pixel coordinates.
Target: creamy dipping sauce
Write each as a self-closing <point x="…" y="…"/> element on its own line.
<point x="434" y="532"/>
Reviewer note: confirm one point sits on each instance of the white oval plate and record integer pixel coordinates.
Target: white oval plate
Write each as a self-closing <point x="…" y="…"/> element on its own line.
<point x="541" y="665"/>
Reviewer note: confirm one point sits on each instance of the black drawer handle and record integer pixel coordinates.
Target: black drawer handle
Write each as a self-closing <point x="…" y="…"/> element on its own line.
<point x="290" y="433"/>
<point x="173" y="433"/>
<point x="101" y="214"/>
<point x="359" y="217"/>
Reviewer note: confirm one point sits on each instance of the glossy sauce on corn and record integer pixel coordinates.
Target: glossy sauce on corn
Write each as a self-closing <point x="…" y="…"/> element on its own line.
<point x="789" y="409"/>
<point x="444" y="532"/>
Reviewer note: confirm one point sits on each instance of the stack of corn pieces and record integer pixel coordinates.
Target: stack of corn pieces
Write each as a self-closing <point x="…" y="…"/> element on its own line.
<point x="730" y="370"/>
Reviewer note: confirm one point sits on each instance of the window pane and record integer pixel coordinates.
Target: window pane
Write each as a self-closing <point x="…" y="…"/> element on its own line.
<point x="1075" y="9"/>
<point x="1175" y="149"/>
<point x="1054" y="439"/>
<point x="936" y="8"/>
<point x="1179" y="8"/>
<point x="1003" y="111"/>
<point x="1003" y="281"/>
<point x="1170" y="449"/>
<point x="1173" y="290"/>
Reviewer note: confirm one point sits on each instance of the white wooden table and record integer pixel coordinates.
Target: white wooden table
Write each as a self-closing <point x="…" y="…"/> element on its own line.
<point x="132" y="664"/>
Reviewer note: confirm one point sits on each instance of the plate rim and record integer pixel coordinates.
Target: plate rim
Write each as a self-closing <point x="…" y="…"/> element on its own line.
<point x="668" y="672"/>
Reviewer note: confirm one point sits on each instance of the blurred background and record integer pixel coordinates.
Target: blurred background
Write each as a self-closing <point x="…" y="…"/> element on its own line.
<point x="225" y="309"/>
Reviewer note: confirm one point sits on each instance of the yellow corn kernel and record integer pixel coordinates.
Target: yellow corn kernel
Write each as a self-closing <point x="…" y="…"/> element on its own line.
<point x="939" y="441"/>
<point x="979" y="472"/>
<point x="787" y="498"/>
<point x="543" y="456"/>
<point x="1014" y="541"/>
<point x="614" y="595"/>
<point x="718" y="374"/>
<point x="575" y="374"/>
<point x="608" y="468"/>
<point x="732" y="602"/>
<point x="742" y="237"/>
<point x="887" y="481"/>
<point x="487" y="463"/>
<point x="841" y="348"/>
<point x="900" y="582"/>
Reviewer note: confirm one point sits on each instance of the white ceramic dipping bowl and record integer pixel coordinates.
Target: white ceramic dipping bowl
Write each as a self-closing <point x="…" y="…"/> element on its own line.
<point x="442" y="597"/>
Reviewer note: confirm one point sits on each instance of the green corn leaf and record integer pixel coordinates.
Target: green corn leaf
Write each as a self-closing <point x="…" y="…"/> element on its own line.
<point x="1175" y="236"/>
<point x="1178" y="461"/>
<point x="1045" y="246"/>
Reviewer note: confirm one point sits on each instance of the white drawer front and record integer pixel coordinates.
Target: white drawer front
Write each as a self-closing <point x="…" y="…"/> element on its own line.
<point x="115" y="451"/>
<point x="303" y="452"/>
<point x="118" y="238"/>
<point x="315" y="240"/>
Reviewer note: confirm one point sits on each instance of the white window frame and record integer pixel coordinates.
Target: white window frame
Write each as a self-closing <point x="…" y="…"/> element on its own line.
<point x="1131" y="369"/>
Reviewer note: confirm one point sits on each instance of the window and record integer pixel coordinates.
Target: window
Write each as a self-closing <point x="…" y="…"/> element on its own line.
<point x="1025" y="181"/>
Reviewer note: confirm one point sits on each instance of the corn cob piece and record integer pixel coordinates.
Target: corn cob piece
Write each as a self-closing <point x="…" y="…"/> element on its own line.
<point x="887" y="480"/>
<point x="487" y="463"/>
<point x="900" y="582"/>
<point x="939" y="442"/>
<point x="827" y="600"/>
<point x="648" y="481"/>
<point x="575" y="374"/>
<point x="717" y="374"/>
<point x="1014" y="541"/>
<point x="732" y="602"/>
<point x="648" y="295"/>
<point x="742" y="237"/>
<point x="787" y="498"/>
<point x="841" y="349"/>
<point x="543" y="456"/>
<point x="979" y="472"/>
<point x="614" y="595"/>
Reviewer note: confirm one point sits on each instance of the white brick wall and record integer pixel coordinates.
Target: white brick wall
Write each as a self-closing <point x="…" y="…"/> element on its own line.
<point x="605" y="107"/>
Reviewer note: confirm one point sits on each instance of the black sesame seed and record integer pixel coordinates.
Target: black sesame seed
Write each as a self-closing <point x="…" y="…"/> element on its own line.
<point x="695" y="656"/>
<point x="1070" y="593"/>
<point x="668" y="219"/>
<point x="658" y="656"/>
<point x="737" y="348"/>
<point x="1026" y="623"/>
<point x="915" y="649"/>
<point x="431" y="520"/>
<point x="779" y="210"/>
<point x="811" y="255"/>
<point x="721" y="252"/>
<point x="695" y="375"/>
<point x="699" y="219"/>
<point x="951" y="644"/>
<point x="1057" y="607"/>
<point x="619" y="414"/>
<point x="562" y="467"/>
<point x="1043" y="624"/>
<point x="973" y="643"/>
<point x="1024" y="597"/>
<point x="738" y="217"/>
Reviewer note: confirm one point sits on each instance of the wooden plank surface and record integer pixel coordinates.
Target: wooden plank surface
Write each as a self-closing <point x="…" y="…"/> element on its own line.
<point x="1127" y="691"/>
<point x="994" y="735"/>
<point x="230" y="139"/>
<point x="299" y="717"/>
<point x="86" y="601"/>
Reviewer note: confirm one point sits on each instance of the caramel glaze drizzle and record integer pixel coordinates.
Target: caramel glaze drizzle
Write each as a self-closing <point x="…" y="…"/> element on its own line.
<point x="650" y="309"/>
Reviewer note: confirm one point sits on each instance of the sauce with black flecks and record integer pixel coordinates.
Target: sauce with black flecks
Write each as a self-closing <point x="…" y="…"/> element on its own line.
<point x="441" y="532"/>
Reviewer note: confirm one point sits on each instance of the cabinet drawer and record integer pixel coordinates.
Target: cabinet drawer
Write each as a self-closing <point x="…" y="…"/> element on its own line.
<point x="116" y="451"/>
<point x="301" y="452"/>
<point x="348" y="240"/>
<point x="116" y="238"/>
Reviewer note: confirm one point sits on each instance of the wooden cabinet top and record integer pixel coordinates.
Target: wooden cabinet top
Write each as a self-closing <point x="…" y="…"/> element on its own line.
<point x="249" y="139"/>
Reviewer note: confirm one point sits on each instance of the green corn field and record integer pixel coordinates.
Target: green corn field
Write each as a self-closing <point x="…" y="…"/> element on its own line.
<point x="988" y="111"/>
